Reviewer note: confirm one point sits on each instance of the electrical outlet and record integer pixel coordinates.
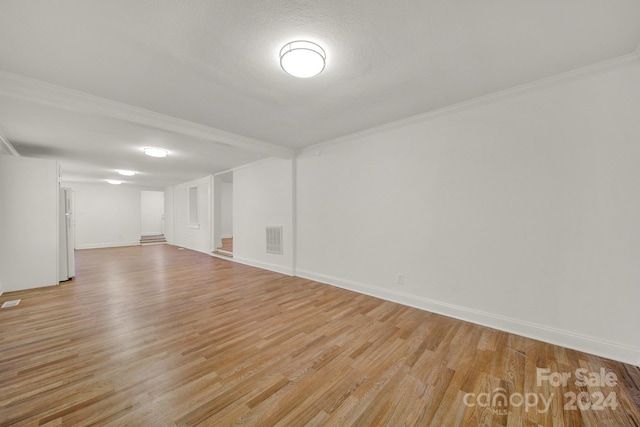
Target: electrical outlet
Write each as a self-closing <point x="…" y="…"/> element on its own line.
<point x="400" y="280"/>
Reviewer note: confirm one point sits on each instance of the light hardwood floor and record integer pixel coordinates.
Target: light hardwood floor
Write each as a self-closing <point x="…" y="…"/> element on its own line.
<point x="156" y="336"/>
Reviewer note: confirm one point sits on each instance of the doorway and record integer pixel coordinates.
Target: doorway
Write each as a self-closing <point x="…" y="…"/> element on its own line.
<point x="152" y="217"/>
<point x="223" y="223"/>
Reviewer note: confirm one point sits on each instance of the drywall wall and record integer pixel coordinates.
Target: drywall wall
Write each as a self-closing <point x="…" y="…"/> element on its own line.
<point x="169" y="217"/>
<point x="1" y="231"/>
<point x="216" y="210"/>
<point x="263" y="196"/>
<point x="196" y="235"/>
<point x="29" y="223"/>
<point x="227" y="209"/>
<point x="520" y="213"/>
<point x="106" y="215"/>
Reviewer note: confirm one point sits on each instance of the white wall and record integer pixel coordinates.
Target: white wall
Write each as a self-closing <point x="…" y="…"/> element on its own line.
<point x="227" y="209"/>
<point x="2" y="197"/>
<point x="106" y="215"/>
<point x="1" y="227"/>
<point x="522" y="213"/>
<point x="263" y="196"/>
<point x="216" y="210"/>
<point x="151" y="212"/>
<point x="169" y="217"/>
<point x="198" y="238"/>
<point x="29" y="223"/>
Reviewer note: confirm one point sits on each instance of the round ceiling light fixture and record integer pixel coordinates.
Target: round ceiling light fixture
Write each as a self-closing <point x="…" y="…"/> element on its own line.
<point x="126" y="172"/>
<point x="155" y="152"/>
<point x="302" y="59"/>
<point x="114" y="181"/>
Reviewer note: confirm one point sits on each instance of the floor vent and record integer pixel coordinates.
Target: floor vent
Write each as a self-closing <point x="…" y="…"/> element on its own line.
<point x="11" y="303"/>
<point x="274" y="240"/>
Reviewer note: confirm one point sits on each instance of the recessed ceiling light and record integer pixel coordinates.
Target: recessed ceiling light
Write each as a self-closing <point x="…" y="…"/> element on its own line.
<point x="114" y="181"/>
<point x="126" y="172"/>
<point x="155" y="152"/>
<point x="302" y="58"/>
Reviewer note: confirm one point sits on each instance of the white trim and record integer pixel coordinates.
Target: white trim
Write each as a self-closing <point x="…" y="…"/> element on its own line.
<point x="580" y="73"/>
<point x="218" y="254"/>
<point x="259" y="264"/>
<point x="40" y="92"/>
<point x="107" y="245"/>
<point x="249" y="165"/>
<point x="223" y="172"/>
<point x="6" y="147"/>
<point x="555" y="336"/>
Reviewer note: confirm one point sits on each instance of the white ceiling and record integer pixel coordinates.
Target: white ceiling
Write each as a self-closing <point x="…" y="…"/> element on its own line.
<point x="91" y="81"/>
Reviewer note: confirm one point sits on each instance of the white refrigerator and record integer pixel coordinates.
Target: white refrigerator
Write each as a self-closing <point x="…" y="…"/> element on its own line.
<point x="67" y="238"/>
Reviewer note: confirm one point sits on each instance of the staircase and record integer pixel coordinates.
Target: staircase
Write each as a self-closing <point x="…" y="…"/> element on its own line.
<point x="227" y="247"/>
<point x="153" y="240"/>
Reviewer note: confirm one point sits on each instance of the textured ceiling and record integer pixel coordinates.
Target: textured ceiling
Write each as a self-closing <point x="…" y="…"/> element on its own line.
<point x="215" y="63"/>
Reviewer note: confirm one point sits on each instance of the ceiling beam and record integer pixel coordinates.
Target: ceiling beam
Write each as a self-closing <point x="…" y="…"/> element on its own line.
<point x="37" y="91"/>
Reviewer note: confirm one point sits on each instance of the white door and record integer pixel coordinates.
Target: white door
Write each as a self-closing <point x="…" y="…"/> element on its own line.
<point x="152" y="212"/>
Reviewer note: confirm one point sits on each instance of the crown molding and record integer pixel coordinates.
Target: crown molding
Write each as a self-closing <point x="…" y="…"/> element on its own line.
<point x="37" y="91"/>
<point x="253" y="164"/>
<point x="6" y="147"/>
<point x="573" y="75"/>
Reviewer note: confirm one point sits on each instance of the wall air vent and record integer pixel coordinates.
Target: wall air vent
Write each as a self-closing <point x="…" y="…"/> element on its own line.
<point x="274" y="240"/>
<point x="11" y="303"/>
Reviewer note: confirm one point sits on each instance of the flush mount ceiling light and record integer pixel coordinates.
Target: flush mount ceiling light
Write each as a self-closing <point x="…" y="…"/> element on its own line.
<point x="155" y="152"/>
<point x="126" y="172"/>
<point x="114" y="181"/>
<point x="302" y="59"/>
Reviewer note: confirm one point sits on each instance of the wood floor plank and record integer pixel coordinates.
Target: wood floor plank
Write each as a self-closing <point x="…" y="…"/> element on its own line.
<point x="153" y="335"/>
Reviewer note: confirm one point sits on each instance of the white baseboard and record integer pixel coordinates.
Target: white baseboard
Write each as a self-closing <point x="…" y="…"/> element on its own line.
<point x="555" y="336"/>
<point x="202" y="251"/>
<point x="264" y="265"/>
<point x="107" y="245"/>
